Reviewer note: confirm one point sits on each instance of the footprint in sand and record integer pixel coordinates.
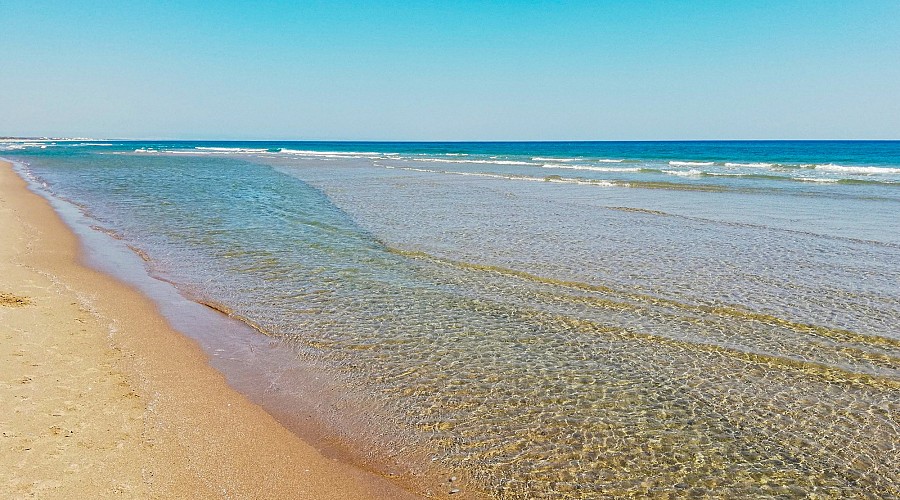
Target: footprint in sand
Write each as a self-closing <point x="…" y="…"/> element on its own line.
<point x="10" y="300"/>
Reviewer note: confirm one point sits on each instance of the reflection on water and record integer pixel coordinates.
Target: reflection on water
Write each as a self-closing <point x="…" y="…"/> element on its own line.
<point x="549" y="339"/>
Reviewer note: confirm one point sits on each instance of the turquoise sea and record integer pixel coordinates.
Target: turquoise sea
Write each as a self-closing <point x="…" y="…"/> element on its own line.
<point x="560" y="320"/>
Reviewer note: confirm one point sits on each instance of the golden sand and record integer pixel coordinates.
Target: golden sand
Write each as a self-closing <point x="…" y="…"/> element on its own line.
<point x="102" y="398"/>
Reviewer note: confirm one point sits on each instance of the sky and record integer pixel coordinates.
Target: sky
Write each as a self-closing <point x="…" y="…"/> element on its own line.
<point x="464" y="70"/>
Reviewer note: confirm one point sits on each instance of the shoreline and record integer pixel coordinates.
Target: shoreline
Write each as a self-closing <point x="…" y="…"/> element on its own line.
<point x="107" y="398"/>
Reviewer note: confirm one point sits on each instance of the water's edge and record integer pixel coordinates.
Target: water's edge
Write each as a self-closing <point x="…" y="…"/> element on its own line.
<point x="249" y="360"/>
<point x="571" y="339"/>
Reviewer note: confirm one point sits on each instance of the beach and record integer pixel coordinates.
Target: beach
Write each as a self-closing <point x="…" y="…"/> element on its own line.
<point x="566" y="320"/>
<point x="530" y="250"/>
<point x="103" y="398"/>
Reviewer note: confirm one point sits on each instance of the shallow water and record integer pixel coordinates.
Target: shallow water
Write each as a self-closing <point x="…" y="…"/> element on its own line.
<point x="562" y="320"/>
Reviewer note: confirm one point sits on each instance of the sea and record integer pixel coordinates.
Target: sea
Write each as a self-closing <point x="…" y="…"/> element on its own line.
<point x="533" y="319"/>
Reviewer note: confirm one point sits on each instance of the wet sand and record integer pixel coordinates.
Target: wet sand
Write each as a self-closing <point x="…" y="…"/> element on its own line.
<point x="103" y="398"/>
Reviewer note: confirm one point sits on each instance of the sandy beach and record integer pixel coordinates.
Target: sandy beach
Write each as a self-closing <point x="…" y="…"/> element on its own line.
<point x="103" y="398"/>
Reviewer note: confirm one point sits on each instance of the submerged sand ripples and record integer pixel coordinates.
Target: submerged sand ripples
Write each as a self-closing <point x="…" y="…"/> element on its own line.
<point x="548" y="343"/>
<point x="748" y="364"/>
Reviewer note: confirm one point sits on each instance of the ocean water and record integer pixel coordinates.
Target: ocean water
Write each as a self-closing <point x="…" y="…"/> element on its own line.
<point x="565" y="320"/>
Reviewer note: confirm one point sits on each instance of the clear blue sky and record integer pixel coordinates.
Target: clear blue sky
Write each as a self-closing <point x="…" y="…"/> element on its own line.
<point x="451" y="70"/>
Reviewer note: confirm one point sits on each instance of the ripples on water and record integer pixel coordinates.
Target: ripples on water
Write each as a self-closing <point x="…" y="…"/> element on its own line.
<point x="551" y="339"/>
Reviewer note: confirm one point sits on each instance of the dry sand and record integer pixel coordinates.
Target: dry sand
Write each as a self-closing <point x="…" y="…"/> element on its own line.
<point x="100" y="397"/>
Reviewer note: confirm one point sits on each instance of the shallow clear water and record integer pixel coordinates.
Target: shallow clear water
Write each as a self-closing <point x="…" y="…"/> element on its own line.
<point x="581" y="320"/>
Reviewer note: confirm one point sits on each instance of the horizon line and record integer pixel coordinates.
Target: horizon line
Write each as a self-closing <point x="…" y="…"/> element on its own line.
<point x="429" y="141"/>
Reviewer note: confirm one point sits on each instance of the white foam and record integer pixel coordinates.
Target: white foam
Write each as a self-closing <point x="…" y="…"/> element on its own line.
<point x="496" y="176"/>
<point x="22" y="145"/>
<point x="830" y="167"/>
<point x="691" y="163"/>
<point x="594" y="169"/>
<point x="568" y="160"/>
<point x="232" y="150"/>
<point x="24" y="142"/>
<point x="487" y="162"/>
<point x="817" y="179"/>
<point x="541" y="158"/>
<point x="681" y="173"/>
<point x="582" y="182"/>
<point x="750" y="165"/>
<point x="334" y="154"/>
<point x="725" y="174"/>
<point x="201" y="150"/>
